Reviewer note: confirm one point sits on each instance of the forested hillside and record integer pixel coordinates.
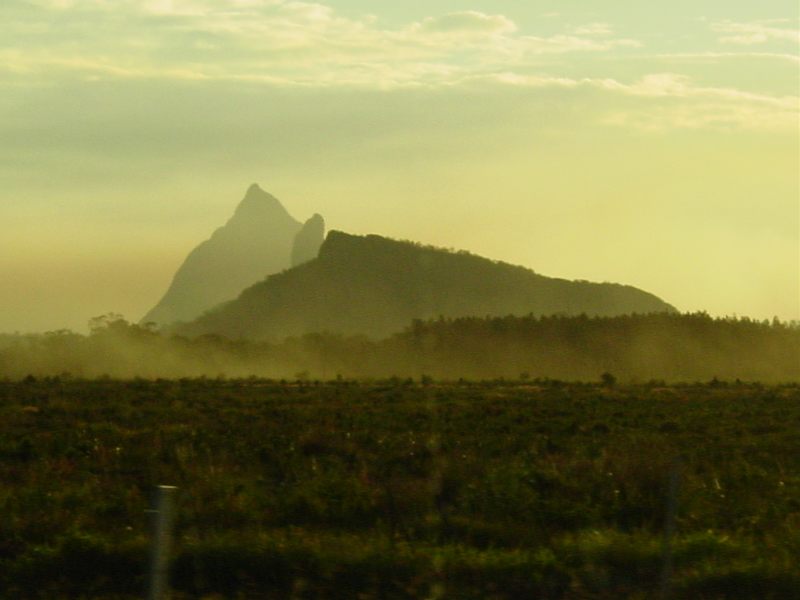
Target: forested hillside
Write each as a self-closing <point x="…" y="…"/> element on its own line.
<point x="375" y="286"/>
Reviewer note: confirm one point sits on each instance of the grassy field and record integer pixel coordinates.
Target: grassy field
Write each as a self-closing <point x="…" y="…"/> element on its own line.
<point x="400" y="489"/>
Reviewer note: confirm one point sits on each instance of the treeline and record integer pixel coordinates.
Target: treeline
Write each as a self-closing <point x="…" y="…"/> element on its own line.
<point x="669" y="347"/>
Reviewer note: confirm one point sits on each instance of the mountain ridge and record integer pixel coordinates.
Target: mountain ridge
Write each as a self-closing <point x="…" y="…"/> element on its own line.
<point x="375" y="286"/>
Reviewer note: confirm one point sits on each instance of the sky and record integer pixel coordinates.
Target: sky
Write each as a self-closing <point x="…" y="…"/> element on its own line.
<point x="652" y="144"/>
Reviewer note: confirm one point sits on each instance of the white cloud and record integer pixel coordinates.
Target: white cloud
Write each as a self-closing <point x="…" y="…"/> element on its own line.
<point x="676" y="102"/>
<point x="299" y="42"/>
<point x="758" y="32"/>
<point x="690" y="106"/>
<point x="594" y="29"/>
<point x="674" y="85"/>
<point x="467" y="22"/>
<point x="559" y="44"/>
<point x="718" y="116"/>
<point x="705" y="56"/>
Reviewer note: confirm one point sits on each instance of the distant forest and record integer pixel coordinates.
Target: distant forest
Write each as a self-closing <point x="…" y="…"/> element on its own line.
<point x="634" y="348"/>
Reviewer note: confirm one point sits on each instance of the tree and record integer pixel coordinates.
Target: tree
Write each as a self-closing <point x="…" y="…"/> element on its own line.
<point x="608" y="380"/>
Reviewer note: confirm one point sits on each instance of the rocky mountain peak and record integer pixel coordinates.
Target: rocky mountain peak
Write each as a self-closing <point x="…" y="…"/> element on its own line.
<point x="259" y="205"/>
<point x="260" y="239"/>
<point x="308" y="240"/>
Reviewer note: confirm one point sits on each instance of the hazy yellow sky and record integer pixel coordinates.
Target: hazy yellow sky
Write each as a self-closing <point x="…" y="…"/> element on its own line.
<point x="654" y="144"/>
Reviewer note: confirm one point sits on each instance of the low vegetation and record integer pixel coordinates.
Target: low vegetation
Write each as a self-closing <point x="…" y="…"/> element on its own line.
<point x="401" y="489"/>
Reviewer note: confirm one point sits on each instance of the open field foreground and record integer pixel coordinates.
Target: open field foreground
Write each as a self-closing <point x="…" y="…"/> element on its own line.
<point x="401" y="489"/>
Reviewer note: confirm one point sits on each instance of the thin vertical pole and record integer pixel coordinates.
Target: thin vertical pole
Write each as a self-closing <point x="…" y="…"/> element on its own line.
<point x="665" y="588"/>
<point x="158" y="581"/>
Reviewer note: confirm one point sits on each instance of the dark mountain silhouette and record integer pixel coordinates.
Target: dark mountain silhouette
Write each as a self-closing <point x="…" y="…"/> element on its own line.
<point x="308" y="240"/>
<point x="375" y="286"/>
<point x="257" y="241"/>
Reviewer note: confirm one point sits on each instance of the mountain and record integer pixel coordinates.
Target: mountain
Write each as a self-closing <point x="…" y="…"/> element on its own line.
<point x="257" y="241"/>
<point x="376" y="286"/>
<point x="308" y="240"/>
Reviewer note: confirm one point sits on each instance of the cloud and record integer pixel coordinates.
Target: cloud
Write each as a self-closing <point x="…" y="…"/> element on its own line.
<point x="757" y="32"/>
<point x="467" y="22"/>
<point x="719" y="116"/>
<point x="674" y="101"/>
<point x="299" y="43"/>
<point x="690" y="106"/>
<point x="675" y="85"/>
<point x="705" y="56"/>
<point x="561" y="44"/>
<point x="594" y="29"/>
<point x="296" y="44"/>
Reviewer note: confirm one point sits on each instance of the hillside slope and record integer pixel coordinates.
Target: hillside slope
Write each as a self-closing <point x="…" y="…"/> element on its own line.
<point x="375" y="286"/>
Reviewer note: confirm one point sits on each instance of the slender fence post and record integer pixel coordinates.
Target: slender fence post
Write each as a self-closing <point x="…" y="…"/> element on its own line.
<point x="158" y="580"/>
<point x="665" y="586"/>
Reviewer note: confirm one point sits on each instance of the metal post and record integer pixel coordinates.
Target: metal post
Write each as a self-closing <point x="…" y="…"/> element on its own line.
<point x="158" y="581"/>
<point x="669" y="530"/>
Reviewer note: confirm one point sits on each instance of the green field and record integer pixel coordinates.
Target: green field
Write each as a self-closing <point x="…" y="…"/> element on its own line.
<point x="400" y="489"/>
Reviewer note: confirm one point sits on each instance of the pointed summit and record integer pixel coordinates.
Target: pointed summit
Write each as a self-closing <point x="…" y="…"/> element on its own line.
<point x="308" y="240"/>
<point x="258" y="204"/>
<point x="256" y="195"/>
<point x="257" y="241"/>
